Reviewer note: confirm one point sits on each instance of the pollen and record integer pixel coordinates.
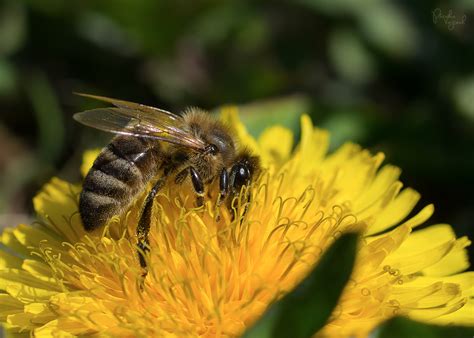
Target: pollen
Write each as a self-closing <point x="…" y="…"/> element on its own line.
<point x="213" y="274"/>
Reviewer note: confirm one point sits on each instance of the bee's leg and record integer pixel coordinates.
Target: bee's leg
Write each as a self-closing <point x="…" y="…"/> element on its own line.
<point x="223" y="189"/>
<point x="143" y="227"/>
<point x="197" y="182"/>
<point x="198" y="186"/>
<point x="248" y="197"/>
<point x="223" y="184"/>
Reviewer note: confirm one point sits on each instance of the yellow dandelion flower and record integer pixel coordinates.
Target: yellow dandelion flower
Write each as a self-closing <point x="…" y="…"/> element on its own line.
<point x="215" y="278"/>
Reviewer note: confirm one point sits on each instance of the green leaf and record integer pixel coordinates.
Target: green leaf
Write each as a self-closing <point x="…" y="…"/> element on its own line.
<point x="403" y="327"/>
<point x="306" y="309"/>
<point x="285" y="111"/>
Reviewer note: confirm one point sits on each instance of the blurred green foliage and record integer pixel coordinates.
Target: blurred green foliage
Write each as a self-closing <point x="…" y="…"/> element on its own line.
<point x="395" y="76"/>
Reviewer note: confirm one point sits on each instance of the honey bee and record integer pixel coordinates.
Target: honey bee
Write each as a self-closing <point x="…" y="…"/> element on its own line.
<point x="154" y="145"/>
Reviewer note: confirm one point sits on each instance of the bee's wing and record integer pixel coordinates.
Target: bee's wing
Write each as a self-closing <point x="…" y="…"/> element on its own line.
<point x="145" y="110"/>
<point x="125" y="120"/>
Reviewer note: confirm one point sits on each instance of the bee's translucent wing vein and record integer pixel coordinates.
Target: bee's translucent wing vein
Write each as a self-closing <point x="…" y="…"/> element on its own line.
<point x="127" y="121"/>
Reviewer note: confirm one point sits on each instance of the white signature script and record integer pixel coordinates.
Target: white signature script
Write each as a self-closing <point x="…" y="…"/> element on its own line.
<point x="449" y="19"/>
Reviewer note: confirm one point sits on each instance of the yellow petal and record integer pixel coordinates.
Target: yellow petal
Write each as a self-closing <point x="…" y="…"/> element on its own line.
<point x="230" y="116"/>
<point x="455" y="261"/>
<point x="411" y="262"/>
<point x="10" y="305"/>
<point x="397" y="210"/>
<point x="9" y="261"/>
<point x="434" y="313"/>
<point x="56" y="204"/>
<point x="375" y="190"/>
<point x="276" y="144"/>
<point x="462" y="316"/>
<point x="465" y="281"/>
<point x="88" y="159"/>
<point x="313" y="145"/>
<point x="9" y="239"/>
<point x="434" y="295"/>
<point x="420" y="217"/>
<point x="38" y="270"/>
<point x="423" y="240"/>
<point x="66" y="328"/>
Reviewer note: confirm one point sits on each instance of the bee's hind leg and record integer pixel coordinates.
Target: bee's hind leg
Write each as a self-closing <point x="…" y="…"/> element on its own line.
<point x="143" y="227"/>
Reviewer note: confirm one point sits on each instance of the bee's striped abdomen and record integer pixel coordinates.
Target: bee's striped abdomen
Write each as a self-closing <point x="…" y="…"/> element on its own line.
<point x="120" y="172"/>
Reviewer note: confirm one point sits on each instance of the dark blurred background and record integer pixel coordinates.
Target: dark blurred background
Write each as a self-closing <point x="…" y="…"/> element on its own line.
<point x="394" y="76"/>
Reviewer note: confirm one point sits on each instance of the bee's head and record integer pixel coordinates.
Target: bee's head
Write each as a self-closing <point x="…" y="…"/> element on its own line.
<point x="220" y="145"/>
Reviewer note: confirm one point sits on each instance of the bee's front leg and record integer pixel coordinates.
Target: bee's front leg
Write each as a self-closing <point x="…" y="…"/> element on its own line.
<point x="196" y="180"/>
<point x="198" y="186"/>
<point x="223" y="185"/>
<point x="223" y="190"/>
